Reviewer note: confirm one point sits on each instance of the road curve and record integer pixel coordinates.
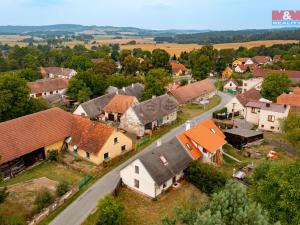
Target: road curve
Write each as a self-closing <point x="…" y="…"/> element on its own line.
<point x="79" y="210"/>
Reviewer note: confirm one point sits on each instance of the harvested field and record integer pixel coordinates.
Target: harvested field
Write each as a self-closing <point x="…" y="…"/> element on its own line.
<point x="176" y="49"/>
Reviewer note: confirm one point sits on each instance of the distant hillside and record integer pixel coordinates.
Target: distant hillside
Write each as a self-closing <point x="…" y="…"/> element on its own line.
<point x="215" y="37"/>
<point x="102" y="30"/>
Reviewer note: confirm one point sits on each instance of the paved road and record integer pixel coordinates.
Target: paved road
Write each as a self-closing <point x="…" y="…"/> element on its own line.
<point x="79" y="210"/>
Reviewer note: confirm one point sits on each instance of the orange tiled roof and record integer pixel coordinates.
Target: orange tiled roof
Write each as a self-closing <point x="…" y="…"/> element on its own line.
<point x="119" y="104"/>
<point x="46" y="85"/>
<point x="28" y="133"/>
<point x="289" y="99"/>
<point x="89" y="135"/>
<point x="296" y="90"/>
<point x="177" y="67"/>
<point x="205" y="134"/>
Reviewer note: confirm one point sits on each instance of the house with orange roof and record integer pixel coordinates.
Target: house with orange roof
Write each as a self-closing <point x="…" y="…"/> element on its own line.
<point x="117" y="106"/>
<point x="96" y="142"/>
<point x="242" y="61"/>
<point x="178" y="69"/>
<point x="291" y="99"/>
<point x="203" y="142"/>
<point x="227" y="73"/>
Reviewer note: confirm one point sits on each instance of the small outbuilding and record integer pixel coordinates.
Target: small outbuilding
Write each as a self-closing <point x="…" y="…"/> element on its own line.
<point x="239" y="137"/>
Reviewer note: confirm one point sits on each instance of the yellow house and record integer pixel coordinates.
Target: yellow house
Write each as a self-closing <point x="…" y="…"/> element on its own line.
<point x="227" y="73"/>
<point x="97" y="142"/>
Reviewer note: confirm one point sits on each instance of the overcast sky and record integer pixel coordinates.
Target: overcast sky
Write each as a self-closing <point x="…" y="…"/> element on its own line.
<point x="152" y="14"/>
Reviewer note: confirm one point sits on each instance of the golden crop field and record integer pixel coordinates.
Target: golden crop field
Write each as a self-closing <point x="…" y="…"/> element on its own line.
<point x="176" y="49"/>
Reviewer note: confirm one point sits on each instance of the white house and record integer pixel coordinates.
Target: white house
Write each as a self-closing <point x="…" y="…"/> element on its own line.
<point x="94" y="107"/>
<point x="47" y="87"/>
<point x="266" y="115"/>
<point x="154" y="172"/>
<point x="57" y="72"/>
<point x="252" y="83"/>
<point x="149" y="114"/>
<point x="231" y="86"/>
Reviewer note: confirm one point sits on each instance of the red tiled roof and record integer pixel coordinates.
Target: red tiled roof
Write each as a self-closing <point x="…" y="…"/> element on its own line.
<point x="206" y="134"/>
<point x="296" y="90"/>
<point x="46" y="85"/>
<point x="289" y="99"/>
<point x="119" y="104"/>
<point x="276" y="58"/>
<point x="28" y="133"/>
<point x="259" y="72"/>
<point x="45" y="71"/>
<point x="177" y="67"/>
<point x="259" y="59"/>
<point x="89" y="135"/>
<point x="250" y="95"/>
<point x="192" y="91"/>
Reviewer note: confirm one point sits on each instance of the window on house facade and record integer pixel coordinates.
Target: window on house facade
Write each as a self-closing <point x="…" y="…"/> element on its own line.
<point x="88" y="155"/>
<point x="262" y="125"/>
<point x="204" y="151"/>
<point x="136" y="183"/>
<point x="106" y="156"/>
<point x="136" y="169"/>
<point x="123" y="148"/>
<point x="271" y="118"/>
<point x="164" y="185"/>
<point x="115" y="140"/>
<point x="56" y="91"/>
<point x="253" y="110"/>
<point x="245" y="84"/>
<point x="272" y="128"/>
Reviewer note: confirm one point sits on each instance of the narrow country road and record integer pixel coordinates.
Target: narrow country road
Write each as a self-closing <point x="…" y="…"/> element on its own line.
<point x="79" y="210"/>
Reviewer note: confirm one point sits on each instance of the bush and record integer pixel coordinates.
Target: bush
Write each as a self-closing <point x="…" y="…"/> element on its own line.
<point x="205" y="177"/>
<point x="110" y="211"/>
<point x="52" y="155"/>
<point x="62" y="188"/>
<point x="43" y="199"/>
<point x="3" y="194"/>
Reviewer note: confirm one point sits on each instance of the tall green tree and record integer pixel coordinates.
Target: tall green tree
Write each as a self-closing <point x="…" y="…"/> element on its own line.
<point x="160" y="58"/>
<point x="155" y="82"/>
<point x="291" y="128"/>
<point x="14" y="98"/>
<point x="131" y="64"/>
<point x="231" y="206"/>
<point x="274" y="85"/>
<point x="203" y="61"/>
<point x="279" y="192"/>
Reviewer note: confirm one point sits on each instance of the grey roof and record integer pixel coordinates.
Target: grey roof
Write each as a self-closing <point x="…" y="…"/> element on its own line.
<point x="155" y="108"/>
<point x="177" y="160"/>
<point x="243" y="132"/>
<point x="95" y="106"/>
<point x="274" y="107"/>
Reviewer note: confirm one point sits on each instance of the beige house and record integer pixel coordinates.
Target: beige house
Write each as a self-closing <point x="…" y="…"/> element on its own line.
<point x="266" y="115"/>
<point x="97" y="142"/>
<point x="252" y="83"/>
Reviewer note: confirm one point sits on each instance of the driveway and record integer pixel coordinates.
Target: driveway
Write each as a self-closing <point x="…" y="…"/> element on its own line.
<point x="79" y="210"/>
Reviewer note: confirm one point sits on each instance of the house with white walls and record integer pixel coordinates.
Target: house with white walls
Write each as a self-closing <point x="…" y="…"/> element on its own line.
<point x="154" y="172"/>
<point x="231" y="86"/>
<point x="255" y="83"/>
<point x="204" y="142"/>
<point x="266" y="115"/>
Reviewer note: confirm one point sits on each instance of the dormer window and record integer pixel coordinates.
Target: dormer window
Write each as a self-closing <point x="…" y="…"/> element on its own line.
<point x="164" y="160"/>
<point x="188" y="146"/>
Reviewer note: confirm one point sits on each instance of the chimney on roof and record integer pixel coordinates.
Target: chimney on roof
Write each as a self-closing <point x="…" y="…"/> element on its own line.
<point x="268" y="105"/>
<point x="187" y="125"/>
<point x="158" y="143"/>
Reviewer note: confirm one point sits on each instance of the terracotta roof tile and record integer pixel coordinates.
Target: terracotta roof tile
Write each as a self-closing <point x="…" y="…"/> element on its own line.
<point x="119" y="104"/>
<point x="206" y="134"/>
<point x="28" y="133"/>
<point x="251" y="95"/>
<point x="289" y="99"/>
<point x="259" y="59"/>
<point x="56" y="71"/>
<point x="192" y="91"/>
<point x="292" y="74"/>
<point x="89" y="135"/>
<point x="46" y="85"/>
<point x="177" y="67"/>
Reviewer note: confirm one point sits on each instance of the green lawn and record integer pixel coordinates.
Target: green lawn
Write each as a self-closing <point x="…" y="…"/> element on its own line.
<point x="51" y="170"/>
<point x="142" y="210"/>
